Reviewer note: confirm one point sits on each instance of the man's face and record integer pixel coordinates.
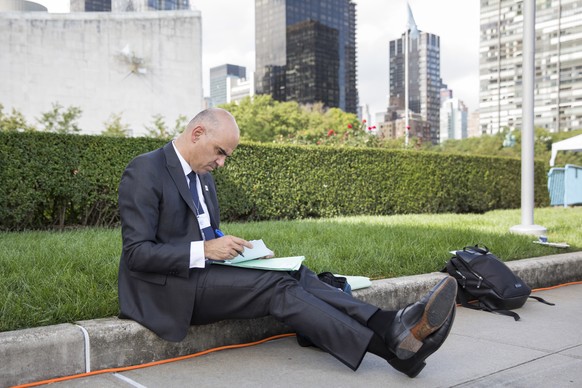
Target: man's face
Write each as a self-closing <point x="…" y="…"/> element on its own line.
<point x="214" y="147"/>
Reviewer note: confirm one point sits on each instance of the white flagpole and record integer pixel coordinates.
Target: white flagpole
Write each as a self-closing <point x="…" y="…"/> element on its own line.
<point x="527" y="131"/>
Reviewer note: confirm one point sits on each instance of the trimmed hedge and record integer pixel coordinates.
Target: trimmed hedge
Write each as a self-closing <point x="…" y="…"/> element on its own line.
<point x="49" y="179"/>
<point x="287" y="182"/>
<point x="52" y="180"/>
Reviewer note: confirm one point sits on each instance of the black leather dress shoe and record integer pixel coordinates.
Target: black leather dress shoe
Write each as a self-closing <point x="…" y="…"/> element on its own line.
<point x="414" y="365"/>
<point x="417" y="321"/>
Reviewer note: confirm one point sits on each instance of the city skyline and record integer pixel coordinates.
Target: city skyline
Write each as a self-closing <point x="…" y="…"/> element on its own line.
<point x="228" y="37"/>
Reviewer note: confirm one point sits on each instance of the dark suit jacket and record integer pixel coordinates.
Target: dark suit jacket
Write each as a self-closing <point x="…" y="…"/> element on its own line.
<point x="158" y="223"/>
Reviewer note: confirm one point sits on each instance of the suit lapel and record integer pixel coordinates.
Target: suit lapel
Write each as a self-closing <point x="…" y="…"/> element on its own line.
<point x="177" y="174"/>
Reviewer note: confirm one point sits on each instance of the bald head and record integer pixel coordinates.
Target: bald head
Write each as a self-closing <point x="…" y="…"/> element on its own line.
<point x="213" y="119"/>
<point x="209" y="138"/>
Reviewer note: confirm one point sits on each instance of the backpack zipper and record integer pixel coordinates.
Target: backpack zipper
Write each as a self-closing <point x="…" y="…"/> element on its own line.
<point x="479" y="277"/>
<point x="464" y="278"/>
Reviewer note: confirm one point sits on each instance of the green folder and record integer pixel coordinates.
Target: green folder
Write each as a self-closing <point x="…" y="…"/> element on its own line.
<point x="357" y="282"/>
<point x="255" y="258"/>
<point x="275" y="264"/>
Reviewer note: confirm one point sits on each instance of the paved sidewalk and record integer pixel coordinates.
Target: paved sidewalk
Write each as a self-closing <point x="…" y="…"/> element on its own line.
<point x="544" y="349"/>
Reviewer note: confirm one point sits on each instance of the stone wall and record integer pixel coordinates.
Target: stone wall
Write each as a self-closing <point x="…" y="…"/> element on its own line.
<point x="134" y="64"/>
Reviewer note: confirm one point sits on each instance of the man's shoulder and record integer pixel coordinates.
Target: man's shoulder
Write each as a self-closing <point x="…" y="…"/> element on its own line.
<point x="154" y="156"/>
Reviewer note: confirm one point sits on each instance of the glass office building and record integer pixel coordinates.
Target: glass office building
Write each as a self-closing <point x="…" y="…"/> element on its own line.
<point x="306" y="51"/>
<point x="558" y="62"/>
<point x="97" y="6"/>
<point x="424" y="78"/>
<point x="218" y="81"/>
<point x="168" y="5"/>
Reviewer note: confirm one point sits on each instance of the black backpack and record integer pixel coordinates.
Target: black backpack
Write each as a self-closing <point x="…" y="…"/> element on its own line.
<point x="336" y="281"/>
<point x="481" y="276"/>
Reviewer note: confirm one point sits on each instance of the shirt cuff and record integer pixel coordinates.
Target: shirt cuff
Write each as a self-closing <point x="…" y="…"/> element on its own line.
<point x="197" y="259"/>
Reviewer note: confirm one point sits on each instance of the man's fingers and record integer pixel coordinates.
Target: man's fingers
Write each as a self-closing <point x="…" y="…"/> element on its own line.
<point x="241" y="242"/>
<point x="227" y="247"/>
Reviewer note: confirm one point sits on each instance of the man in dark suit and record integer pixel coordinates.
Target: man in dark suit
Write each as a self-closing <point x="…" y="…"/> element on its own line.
<point x="169" y="214"/>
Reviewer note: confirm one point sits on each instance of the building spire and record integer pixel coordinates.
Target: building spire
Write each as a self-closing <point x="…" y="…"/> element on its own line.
<point x="411" y="24"/>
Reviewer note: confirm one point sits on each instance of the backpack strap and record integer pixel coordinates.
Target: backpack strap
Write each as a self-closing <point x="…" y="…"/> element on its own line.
<point x="542" y="300"/>
<point x="484" y="250"/>
<point x="503" y="312"/>
<point x="464" y="300"/>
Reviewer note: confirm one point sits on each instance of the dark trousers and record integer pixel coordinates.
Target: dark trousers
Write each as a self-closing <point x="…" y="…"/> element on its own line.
<point x="331" y="319"/>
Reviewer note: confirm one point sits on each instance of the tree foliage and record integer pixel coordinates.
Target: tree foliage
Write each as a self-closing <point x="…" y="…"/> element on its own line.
<point x="160" y="130"/>
<point x="60" y="119"/>
<point x="263" y="119"/>
<point x="14" y="122"/>
<point x="498" y="145"/>
<point x="114" y="127"/>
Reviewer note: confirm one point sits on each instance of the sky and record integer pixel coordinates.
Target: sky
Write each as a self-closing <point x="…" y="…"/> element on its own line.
<point x="228" y="36"/>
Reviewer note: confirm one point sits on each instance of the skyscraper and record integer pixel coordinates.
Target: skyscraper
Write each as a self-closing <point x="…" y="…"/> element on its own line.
<point x="454" y="118"/>
<point x="424" y="80"/>
<point x="306" y="51"/>
<point x="558" y="74"/>
<point x="219" y="76"/>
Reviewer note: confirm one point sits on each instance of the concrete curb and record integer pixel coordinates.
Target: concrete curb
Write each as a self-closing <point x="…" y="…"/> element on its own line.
<point x="37" y="354"/>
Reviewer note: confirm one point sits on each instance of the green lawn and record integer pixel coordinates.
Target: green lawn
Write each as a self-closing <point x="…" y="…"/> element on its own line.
<point x="56" y="277"/>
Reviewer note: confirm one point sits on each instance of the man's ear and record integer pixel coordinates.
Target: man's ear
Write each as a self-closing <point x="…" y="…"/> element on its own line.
<point x="197" y="132"/>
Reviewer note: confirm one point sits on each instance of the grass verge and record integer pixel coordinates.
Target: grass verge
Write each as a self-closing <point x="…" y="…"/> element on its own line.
<point x="56" y="277"/>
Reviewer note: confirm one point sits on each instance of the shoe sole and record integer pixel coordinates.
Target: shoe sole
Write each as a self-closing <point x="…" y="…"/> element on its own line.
<point x="414" y="370"/>
<point x="436" y="312"/>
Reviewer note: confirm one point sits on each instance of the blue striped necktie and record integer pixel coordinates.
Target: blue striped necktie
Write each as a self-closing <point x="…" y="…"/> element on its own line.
<point x="208" y="232"/>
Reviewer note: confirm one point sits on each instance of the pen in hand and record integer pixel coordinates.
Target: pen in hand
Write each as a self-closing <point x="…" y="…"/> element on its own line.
<point x="219" y="233"/>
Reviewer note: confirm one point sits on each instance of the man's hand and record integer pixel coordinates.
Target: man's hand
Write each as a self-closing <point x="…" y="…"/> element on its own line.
<point x="225" y="248"/>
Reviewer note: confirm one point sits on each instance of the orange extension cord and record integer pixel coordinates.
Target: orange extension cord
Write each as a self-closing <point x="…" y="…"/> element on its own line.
<point x="126" y="368"/>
